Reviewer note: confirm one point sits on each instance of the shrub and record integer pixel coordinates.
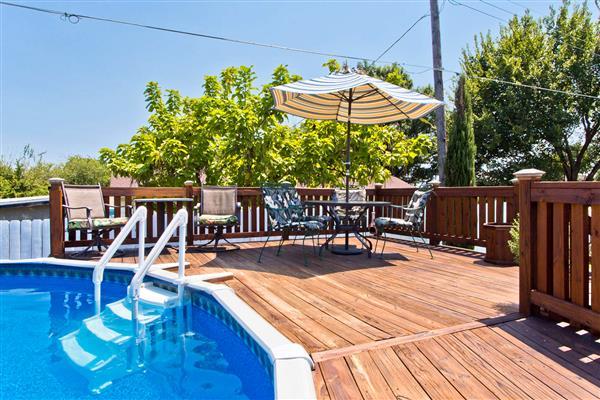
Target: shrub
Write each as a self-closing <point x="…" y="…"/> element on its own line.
<point x="513" y="243"/>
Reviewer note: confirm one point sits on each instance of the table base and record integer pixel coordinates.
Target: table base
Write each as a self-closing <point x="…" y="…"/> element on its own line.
<point x="351" y="250"/>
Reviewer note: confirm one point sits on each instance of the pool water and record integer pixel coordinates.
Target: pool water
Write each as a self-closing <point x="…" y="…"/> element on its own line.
<point x="210" y="361"/>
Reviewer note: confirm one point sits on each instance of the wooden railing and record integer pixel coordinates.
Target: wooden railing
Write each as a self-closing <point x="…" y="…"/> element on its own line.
<point x="560" y="249"/>
<point x="454" y="215"/>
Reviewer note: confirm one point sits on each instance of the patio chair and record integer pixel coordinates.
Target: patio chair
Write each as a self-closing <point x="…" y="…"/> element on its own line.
<point x="218" y="209"/>
<point x="354" y="213"/>
<point x="286" y="217"/>
<point x="297" y="209"/>
<point x="412" y="221"/>
<point x="86" y="210"/>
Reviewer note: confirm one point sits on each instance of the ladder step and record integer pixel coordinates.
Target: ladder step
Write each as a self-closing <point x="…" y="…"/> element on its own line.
<point x="154" y="295"/>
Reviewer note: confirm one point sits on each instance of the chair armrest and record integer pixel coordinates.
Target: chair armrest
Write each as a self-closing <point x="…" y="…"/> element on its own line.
<point x="78" y="208"/>
<point x="88" y="212"/>
<point x="397" y="206"/>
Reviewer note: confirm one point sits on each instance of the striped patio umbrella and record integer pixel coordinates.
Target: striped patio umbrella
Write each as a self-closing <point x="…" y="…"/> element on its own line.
<point x="352" y="98"/>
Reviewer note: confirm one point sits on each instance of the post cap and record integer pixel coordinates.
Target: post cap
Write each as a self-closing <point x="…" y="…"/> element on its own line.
<point x="378" y="185"/>
<point x="55" y="180"/>
<point x="435" y="183"/>
<point x="514" y="181"/>
<point x="530" y="173"/>
<point x="188" y="183"/>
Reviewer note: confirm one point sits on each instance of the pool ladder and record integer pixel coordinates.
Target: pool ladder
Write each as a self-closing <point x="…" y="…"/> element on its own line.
<point x="137" y="290"/>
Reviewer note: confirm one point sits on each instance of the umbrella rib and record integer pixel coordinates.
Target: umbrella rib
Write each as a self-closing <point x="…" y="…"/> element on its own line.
<point x="374" y="90"/>
<point x="392" y="103"/>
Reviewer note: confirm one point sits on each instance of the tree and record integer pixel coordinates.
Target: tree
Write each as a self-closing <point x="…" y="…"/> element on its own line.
<point x="80" y="170"/>
<point x="518" y="127"/>
<point x="460" y="162"/>
<point x="232" y="135"/>
<point x="26" y="176"/>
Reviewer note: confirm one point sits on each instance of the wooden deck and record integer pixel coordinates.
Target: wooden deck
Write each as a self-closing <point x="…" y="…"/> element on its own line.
<point x="408" y="326"/>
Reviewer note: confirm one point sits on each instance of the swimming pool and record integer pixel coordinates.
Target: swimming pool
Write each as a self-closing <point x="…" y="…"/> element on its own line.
<point x="206" y="355"/>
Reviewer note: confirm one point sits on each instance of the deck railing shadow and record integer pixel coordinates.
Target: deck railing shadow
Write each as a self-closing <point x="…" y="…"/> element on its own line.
<point x="571" y="348"/>
<point x="289" y="262"/>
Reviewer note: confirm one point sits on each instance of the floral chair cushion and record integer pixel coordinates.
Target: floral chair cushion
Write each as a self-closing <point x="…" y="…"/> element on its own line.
<point x="286" y="211"/>
<point x="212" y="220"/>
<point x="413" y="216"/>
<point x="296" y="208"/>
<point x="385" y="222"/>
<point x="97" y="223"/>
<point x="353" y="195"/>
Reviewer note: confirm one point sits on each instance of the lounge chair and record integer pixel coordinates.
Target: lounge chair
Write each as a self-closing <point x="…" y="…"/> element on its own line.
<point x="86" y="210"/>
<point x="413" y="219"/>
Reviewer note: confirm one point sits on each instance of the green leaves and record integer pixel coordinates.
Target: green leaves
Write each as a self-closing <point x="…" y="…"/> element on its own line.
<point x="517" y="127"/>
<point x="231" y="135"/>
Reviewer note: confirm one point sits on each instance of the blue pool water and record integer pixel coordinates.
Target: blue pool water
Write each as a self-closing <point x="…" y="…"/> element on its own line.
<point x="210" y="361"/>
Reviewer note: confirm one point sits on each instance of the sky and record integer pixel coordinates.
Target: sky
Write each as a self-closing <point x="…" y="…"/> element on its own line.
<point x="70" y="89"/>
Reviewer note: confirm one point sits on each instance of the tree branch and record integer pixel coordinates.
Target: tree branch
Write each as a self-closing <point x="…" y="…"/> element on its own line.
<point x="593" y="172"/>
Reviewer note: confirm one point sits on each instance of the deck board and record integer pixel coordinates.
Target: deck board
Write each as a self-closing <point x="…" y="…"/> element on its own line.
<point x="408" y="326"/>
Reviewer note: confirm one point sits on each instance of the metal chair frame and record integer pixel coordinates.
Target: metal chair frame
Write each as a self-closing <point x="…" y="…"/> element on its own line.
<point x="415" y="228"/>
<point x="97" y="233"/>
<point x="219" y="234"/>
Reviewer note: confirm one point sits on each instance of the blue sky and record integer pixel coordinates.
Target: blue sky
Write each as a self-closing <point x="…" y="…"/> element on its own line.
<point x="74" y="88"/>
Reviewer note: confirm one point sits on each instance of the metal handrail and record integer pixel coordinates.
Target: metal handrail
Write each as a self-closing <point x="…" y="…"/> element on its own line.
<point x="139" y="216"/>
<point x="179" y="222"/>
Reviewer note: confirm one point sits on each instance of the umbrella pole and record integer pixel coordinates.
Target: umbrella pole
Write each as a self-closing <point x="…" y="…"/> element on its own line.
<point x="347" y="238"/>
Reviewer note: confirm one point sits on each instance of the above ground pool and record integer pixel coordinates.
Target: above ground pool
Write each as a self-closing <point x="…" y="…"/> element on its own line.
<point x="202" y="353"/>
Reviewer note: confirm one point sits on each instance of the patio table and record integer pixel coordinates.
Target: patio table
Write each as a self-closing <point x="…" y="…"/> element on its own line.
<point x="163" y="200"/>
<point x="347" y="225"/>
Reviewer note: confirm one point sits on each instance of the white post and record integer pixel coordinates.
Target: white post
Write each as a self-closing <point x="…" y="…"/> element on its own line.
<point x="181" y="271"/>
<point x="141" y="242"/>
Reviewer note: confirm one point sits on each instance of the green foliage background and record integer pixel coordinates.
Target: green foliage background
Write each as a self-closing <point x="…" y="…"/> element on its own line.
<point x="28" y="175"/>
<point x="517" y="127"/>
<point x="231" y="135"/>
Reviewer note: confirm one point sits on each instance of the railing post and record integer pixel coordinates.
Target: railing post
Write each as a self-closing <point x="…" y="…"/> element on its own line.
<point x="189" y="193"/>
<point x="431" y="216"/>
<point x="376" y="197"/>
<point x="57" y="220"/>
<point x="526" y="236"/>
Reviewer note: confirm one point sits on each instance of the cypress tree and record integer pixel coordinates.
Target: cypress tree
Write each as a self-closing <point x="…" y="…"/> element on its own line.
<point x="460" y="162"/>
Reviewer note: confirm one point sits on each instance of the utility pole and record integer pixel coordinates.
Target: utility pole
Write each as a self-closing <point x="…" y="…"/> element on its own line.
<point x="438" y="84"/>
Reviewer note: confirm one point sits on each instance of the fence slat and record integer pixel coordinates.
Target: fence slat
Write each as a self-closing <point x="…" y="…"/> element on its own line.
<point x="15" y="240"/>
<point x="4" y="240"/>
<point x="560" y="251"/>
<point x="579" y="255"/>
<point x="36" y="238"/>
<point x="544" y="248"/>
<point x="595" y="247"/>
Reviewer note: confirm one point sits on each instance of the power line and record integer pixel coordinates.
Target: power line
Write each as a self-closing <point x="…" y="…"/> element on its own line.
<point x="456" y="3"/>
<point x="401" y="36"/>
<point x="75" y="18"/>
<point x="497" y="7"/>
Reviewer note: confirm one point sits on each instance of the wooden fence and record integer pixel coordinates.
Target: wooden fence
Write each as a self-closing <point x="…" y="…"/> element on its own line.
<point x="560" y="249"/>
<point x="454" y="215"/>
